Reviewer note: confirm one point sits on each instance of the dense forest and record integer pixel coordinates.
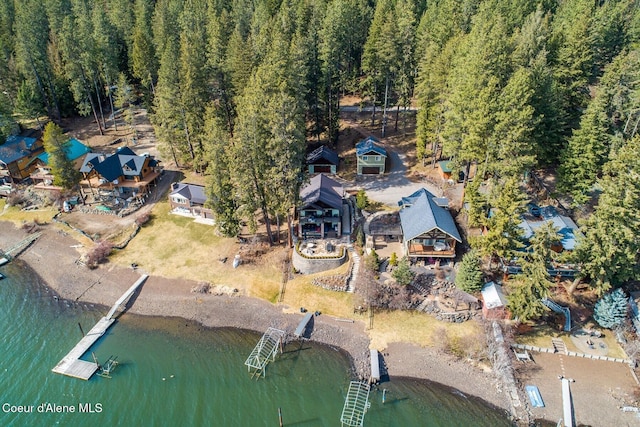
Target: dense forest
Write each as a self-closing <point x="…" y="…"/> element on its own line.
<point x="235" y="89"/>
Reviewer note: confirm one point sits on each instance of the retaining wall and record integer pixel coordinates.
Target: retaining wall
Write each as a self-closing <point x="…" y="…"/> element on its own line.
<point x="310" y="265"/>
<point x="572" y="353"/>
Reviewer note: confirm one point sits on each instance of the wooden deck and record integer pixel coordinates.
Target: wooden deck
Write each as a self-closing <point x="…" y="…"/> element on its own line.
<point x="71" y="365"/>
<point x="418" y="250"/>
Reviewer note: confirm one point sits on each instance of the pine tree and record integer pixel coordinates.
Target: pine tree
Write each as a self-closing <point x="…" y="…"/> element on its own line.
<point x="476" y="203"/>
<point x="143" y="58"/>
<point x="63" y="169"/>
<point x="504" y="235"/>
<point x="469" y="275"/>
<point x="220" y="191"/>
<point x="611" y="310"/>
<point x="403" y="273"/>
<point x="608" y="253"/>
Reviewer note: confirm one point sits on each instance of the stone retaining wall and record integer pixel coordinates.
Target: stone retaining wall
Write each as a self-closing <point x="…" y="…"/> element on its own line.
<point x="571" y="353"/>
<point x="309" y="265"/>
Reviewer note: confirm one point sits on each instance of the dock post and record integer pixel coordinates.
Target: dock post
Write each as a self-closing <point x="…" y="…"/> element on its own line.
<point x="280" y="416"/>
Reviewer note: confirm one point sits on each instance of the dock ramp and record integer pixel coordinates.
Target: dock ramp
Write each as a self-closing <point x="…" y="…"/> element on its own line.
<point x="303" y="325"/>
<point x="375" y="367"/>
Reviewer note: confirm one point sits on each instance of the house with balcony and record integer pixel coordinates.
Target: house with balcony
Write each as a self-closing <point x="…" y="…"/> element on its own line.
<point x="124" y="173"/>
<point x="322" y="160"/>
<point x="189" y="200"/>
<point x="16" y="157"/>
<point x="321" y="207"/>
<point x="428" y="229"/>
<point x="372" y="157"/>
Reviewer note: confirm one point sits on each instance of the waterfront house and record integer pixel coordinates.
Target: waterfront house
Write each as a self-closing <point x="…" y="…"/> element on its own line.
<point x="189" y="200"/>
<point x="322" y="160"/>
<point x="429" y="231"/>
<point x="371" y="157"/>
<point x="42" y="176"/>
<point x="536" y="217"/>
<point x="124" y="172"/>
<point x="321" y="206"/>
<point x="16" y="156"/>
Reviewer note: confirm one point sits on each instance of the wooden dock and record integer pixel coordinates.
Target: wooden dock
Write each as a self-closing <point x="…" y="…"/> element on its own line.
<point x="71" y="365"/>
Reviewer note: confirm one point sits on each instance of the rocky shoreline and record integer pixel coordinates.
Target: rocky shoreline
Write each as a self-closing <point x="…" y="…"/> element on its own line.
<point x="53" y="257"/>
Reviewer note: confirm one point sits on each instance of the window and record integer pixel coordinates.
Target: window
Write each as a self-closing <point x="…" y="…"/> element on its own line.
<point x="377" y="158"/>
<point x="365" y="158"/>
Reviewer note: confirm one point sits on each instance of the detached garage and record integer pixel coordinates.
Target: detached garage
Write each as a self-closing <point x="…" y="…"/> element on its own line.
<point x="371" y="157"/>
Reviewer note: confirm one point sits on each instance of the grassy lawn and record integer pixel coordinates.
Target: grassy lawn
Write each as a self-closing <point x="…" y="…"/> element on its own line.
<point x="415" y="327"/>
<point x="300" y="292"/>
<point x="177" y="247"/>
<point x="18" y="216"/>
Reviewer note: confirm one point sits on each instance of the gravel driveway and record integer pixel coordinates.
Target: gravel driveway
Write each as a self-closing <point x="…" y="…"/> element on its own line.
<point x="393" y="185"/>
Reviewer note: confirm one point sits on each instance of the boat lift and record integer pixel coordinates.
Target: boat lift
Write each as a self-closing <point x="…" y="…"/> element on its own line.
<point x="109" y="366"/>
<point x="264" y="351"/>
<point x="356" y="405"/>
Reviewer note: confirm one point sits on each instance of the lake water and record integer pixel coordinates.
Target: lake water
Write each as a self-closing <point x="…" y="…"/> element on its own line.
<point x="176" y="373"/>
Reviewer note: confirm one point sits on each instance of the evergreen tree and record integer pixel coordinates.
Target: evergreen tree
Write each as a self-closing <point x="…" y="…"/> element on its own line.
<point x="361" y="199"/>
<point x="221" y="196"/>
<point x="403" y="273"/>
<point x="31" y="28"/>
<point x="28" y="103"/>
<point x="469" y="275"/>
<point x="504" y="235"/>
<point x="143" y="58"/>
<point x="476" y="202"/>
<point x="123" y="100"/>
<point x="611" y="310"/>
<point x="608" y="253"/>
<point x="63" y="169"/>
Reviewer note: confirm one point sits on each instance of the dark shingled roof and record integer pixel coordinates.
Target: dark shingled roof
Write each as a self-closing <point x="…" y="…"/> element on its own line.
<point x="122" y="162"/>
<point x="368" y="145"/>
<point x="325" y="153"/>
<point x="323" y="189"/>
<point x="194" y="193"/>
<point x="15" y="148"/>
<point x="421" y="214"/>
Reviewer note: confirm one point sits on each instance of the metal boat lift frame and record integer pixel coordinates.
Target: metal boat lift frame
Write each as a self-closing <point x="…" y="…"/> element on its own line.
<point x="356" y="404"/>
<point x="264" y="351"/>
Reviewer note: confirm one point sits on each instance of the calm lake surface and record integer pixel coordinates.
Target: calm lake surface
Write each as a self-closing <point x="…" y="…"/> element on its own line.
<point x="176" y="373"/>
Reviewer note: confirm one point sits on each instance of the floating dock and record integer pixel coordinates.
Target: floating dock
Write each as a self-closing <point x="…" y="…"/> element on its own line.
<point x="71" y="365"/>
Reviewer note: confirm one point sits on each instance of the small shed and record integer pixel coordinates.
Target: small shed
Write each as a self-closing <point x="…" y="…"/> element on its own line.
<point x="445" y="168"/>
<point x="494" y="303"/>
